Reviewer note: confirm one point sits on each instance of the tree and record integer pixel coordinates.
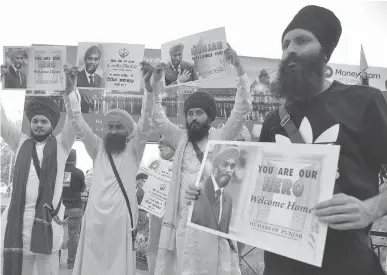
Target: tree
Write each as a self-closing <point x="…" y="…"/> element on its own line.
<point x="6" y="154"/>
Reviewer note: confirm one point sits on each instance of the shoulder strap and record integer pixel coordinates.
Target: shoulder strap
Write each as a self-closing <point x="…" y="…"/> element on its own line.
<point x="121" y="186"/>
<point x="199" y="153"/>
<point x="289" y="126"/>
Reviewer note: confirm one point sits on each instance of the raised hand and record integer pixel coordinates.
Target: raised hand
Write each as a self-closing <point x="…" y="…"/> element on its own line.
<point x="183" y="77"/>
<point x="71" y="77"/>
<point x="147" y="71"/>
<point x="158" y="72"/>
<point x="232" y="56"/>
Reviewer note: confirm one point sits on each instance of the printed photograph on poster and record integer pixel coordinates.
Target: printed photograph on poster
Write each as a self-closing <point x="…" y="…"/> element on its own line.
<point x="153" y="182"/>
<point x="46" y="68"/>
<point x="263" y="194"/>
<point x="196" y="57"/>
<point x="15" y="73"/>
<point x="112" y="66"/>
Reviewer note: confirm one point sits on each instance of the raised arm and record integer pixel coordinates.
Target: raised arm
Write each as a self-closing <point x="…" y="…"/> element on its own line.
<point x="73" y="108"/>
<point x="9" y="132"/>
<point x="67" y="135"/>
<point x="143" y="126"/>
<point x="242" y="106"/>
<point x="163" y="125"/>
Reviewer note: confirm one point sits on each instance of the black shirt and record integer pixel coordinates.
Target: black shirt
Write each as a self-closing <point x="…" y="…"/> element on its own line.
<point x="361" y="114"/>
<point x="72" y="194"/>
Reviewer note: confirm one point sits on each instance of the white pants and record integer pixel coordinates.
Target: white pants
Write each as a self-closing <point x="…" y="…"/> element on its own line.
<point x="40" y="264"/>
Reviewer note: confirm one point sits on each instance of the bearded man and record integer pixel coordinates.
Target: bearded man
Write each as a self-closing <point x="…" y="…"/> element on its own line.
<point x="167" y="152"/>
<point x="32" y="223"/>
<point x="185" y="250"/>
<point x="106" y="245"/>
<point x="322" y="112"/>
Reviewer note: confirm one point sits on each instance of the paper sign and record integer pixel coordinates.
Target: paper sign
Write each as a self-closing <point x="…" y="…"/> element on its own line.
<point x="271" y="206"/>
<point x="66" y="179"/>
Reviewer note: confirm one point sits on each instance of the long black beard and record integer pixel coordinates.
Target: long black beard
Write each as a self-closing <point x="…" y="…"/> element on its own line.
<point x="116" y="144"/>
<point x="40" y="138"/>
<point x="302" y="81"/>
<point x="197" y="134"/>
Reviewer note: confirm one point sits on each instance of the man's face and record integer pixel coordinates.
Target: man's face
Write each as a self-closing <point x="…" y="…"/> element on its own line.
<point x="176" y="58"/>
<point x="92" y="62"/>
<point x="18" y="60"/>
<point x="264" y="79"/>
<point x="224" y="172"/>
<point x="197" y="124"/>
<point x="115" y="139"/>
<point x="140" y="183"/>
<point x="166" y="152"/>
<point x="41" y="128"/>
<point x="301" y="72"/>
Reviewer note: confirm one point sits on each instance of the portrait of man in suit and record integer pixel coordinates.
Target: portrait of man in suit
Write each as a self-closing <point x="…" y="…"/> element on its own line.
<point x="14" y="77"/>
<point x="177" y="70"/>
<point x="213" y="208"/>
<point x="87" y="77"/>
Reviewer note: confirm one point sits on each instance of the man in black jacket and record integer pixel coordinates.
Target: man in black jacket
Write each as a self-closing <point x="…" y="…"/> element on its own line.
<point x="73" y="186"/>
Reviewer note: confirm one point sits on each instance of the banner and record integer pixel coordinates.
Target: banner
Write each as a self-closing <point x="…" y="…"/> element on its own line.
<point x="198" y="57"/>
<point x="271" y="206"/>
<point x="109" y="66"/>
<point x="156" y="187"/>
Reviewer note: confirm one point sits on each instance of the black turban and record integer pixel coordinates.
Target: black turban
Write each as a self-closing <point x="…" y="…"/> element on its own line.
<point x="201" y="100"/>
<point x="141" y="176"/>
<point x="43" y="106"/>
<point x="322" y="22"/>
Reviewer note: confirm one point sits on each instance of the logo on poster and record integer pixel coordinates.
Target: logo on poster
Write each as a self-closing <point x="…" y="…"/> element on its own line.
<point x="328" y="71"/>
<point x="163" y="187"/>
<point x="123" y="52"/>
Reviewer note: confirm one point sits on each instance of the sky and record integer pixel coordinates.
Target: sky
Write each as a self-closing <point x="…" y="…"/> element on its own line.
<point x="253" y="28"/>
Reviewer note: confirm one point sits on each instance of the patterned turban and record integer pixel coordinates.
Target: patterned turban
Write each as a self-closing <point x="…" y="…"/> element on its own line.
<point x="43" y="106"/>
<point x="226" y="153"/>
<point x="176" y="48"/>
<point x="121" y="116"/>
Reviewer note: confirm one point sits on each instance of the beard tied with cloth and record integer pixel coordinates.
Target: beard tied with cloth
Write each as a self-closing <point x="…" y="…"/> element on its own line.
<point x="116" y="143"/>
<point x="307" y="78"/>
<point x="42" y="234"/>
<point x="207" y="103"/>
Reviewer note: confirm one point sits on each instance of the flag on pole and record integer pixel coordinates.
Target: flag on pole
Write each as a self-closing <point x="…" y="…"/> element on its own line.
<point x="363" y="67"/>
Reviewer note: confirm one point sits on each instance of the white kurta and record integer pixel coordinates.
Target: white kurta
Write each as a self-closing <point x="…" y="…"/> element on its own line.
<point x="105" y="245"/>
<point x="196" y="251"/>
<point x="14" y="138"/>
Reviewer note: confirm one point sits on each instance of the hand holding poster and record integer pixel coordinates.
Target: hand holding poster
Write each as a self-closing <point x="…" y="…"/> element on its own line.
<point x="272" y="206"/>
<point x="195" y="57"/>
<point x="112" y="66"/>
<point x="156" y="186"/>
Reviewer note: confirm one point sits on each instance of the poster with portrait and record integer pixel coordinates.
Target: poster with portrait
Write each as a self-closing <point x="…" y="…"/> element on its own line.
<point x="15" y="72"/>
<point x="46" y="68"/>
<point x="271" y="205"/>
<point x="112" y="66"/>
<point x="156" y="187"/>
<point x="197" y="57"/>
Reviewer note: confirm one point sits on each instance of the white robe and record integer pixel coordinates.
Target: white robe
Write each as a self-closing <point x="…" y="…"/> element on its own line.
<point x="105" y="245"/>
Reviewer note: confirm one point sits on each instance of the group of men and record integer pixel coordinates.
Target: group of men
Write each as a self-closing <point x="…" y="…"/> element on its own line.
<point x="33" y="222"/>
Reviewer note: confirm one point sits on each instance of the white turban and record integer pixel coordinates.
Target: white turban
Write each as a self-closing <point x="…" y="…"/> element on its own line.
<point x="121" y="116"/>
<point x="244" y="134"/>
<point x="176" y="48"/>
<point x="226" y="153"/>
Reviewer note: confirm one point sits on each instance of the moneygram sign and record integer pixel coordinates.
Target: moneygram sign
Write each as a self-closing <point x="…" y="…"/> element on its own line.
<point x="350" y="74"/>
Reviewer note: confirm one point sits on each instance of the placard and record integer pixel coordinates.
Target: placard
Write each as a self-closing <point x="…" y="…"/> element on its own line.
<point x="66" y="179"/>
<point x="17" y="60"/>
<point x="197" y="57"/>
<point x="272" y="206"/>
<point x="112" y="66"/>
<point x="156" y="187"/>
